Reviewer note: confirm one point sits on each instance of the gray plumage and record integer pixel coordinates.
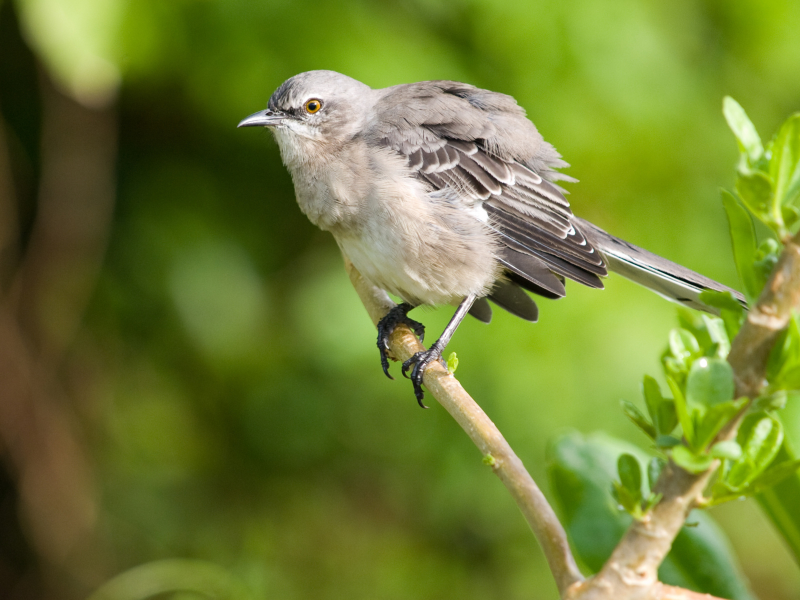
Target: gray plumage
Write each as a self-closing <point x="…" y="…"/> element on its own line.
<point x="440" y="191"/>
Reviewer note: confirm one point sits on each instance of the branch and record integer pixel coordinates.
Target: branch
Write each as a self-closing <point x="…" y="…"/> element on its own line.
<point x="765" y="322"/>
<point x="632" y="570"/>
<point x="485" y="435"/>
<point x="634" y="563"/>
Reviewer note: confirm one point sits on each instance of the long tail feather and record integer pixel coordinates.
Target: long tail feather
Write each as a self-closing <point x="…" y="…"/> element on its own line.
<point x="649" y="270"/>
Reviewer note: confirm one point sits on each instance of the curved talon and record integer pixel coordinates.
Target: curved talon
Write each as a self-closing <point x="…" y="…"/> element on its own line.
<point x="407" y="364"/>
<point x="386" y="327"/>
<point x="420" y="360"/>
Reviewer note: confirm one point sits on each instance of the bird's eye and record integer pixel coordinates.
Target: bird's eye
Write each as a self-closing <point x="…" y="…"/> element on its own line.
<point x="313" y="106"/>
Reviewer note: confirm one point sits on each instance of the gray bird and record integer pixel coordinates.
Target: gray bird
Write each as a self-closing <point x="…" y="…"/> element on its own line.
<point x="443" y="193"/>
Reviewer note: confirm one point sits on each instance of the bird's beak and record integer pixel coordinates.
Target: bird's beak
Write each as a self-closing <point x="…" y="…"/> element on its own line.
<point x="263" y="118"/>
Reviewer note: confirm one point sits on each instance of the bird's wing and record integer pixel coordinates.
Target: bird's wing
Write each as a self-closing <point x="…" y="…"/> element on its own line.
<point x="479" y="148"/>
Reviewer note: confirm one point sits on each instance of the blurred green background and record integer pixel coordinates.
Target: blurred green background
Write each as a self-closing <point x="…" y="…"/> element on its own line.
<point x="185" y="370"/>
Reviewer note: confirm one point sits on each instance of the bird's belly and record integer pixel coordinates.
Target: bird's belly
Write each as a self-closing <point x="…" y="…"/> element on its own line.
<point x="420" y="272"/>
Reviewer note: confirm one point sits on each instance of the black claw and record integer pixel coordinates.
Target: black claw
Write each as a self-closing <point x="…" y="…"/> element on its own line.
<point x="420" y="360"/>
<point x="397" y="315"/>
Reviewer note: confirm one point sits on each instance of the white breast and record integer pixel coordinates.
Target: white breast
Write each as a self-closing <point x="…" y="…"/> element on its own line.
<point x="419" y="246"/>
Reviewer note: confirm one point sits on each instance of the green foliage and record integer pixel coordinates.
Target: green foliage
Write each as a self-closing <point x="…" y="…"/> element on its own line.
<point x="628" y="490"/>
<point x="755" y="469"/>
<point x="743" y="241"/>
<point x="582" y="472"/>
<point x="778" y="497"/>
<point x="701" y="382"/>
<point x="695" y="366"/>
<point x="768" y="180"/>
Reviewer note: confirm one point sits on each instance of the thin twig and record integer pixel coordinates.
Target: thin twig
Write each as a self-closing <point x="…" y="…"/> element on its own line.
<point x="485" y="435"/>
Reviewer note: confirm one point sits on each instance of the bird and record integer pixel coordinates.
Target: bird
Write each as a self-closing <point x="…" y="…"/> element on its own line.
<point x="443" y="193"/>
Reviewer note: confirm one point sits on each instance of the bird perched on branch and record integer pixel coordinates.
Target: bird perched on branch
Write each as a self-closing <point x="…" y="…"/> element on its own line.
<point x="443" y="193"/>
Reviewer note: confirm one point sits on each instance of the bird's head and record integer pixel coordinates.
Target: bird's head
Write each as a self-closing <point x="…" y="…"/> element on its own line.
<point x="312" y="109"/>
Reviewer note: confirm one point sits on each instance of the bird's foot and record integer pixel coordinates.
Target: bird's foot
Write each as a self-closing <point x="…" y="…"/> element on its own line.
<point x="397" y="315"/>
<point x="421" y="360"/>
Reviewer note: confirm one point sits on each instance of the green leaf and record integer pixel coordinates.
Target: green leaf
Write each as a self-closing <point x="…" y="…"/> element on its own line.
<point x="790" y="215"/>
<point x="635" y="415"/>
<point x="775" y="474"/>
<point x="774" y="401"/>
<point x="760" y="437"/>
<point x="728" y="449"/>
<point x="692" y="321"/>
<point x="743" y="240"/>
<point x="581" y="470"/>
<point x="780" y="503"/>
<point x="714" y="419"/>
<point x="662" y="410"/>
<point x="784" y="165"/>
<point x="628" y="501"/>
<point x="755" y="190"/>
<point x="630" y="473"/>
<point x="716" y="330"/>
<point x="683" y="344"/>
<point x="791" y="378"/>
<point x="710" y="382"/>
<point x="452" y="362"/>
<point x="744" y="130"/>
<point x="725" y="299"/>
<point x="682" y="410"/>
<point x="654" y="468"/>
<point x="675" y="368"/>
<point x="783" y="366"/>
<point x="652" y="396"/>
<point x="689" y="461"/>
<point x="667" y="441"/>
<point x="667" y="417"/>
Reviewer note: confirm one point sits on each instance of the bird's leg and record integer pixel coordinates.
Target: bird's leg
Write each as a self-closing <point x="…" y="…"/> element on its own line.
<point x="421" y="360"/>
<point x="398" y="314"/>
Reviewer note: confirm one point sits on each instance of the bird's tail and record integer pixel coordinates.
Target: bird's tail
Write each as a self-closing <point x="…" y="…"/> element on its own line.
<point x="649" y="270"/>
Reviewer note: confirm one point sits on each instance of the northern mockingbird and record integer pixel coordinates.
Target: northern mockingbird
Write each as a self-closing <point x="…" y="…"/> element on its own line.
<point x="443" y="193"/>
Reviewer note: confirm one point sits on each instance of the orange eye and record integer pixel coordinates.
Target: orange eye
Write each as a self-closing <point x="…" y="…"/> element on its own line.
<point x="313" y="106"/>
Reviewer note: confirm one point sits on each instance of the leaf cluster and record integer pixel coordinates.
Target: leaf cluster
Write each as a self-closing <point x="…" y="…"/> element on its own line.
<point x="768" y="179"/>
<point x="702" y="401"/>
<point x="581" y="470"/>
<point x="685" y="425"/>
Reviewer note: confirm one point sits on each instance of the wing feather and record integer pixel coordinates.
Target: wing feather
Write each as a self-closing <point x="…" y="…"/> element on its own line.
<point x="479" y="146"/>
